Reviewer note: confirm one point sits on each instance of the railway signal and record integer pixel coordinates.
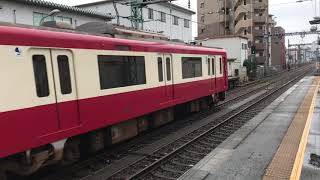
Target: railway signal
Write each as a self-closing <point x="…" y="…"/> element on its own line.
<point x="253" y="49"/>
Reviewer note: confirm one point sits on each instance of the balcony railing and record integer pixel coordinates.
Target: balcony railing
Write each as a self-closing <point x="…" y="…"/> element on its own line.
<point x="260" y="46"/>
<point x="260" y="5"/>
<point x="242" y="9"/>
<point x="258" y="32"/>
<point x="242" y="24"/>
<point x="261" y="59"/>
<point x="260" y="19"/>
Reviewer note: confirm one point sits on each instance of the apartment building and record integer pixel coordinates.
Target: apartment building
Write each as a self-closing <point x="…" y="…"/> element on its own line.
<point x="278" y="48"/>
<point x="248" y="18"/>
<point x="166" y="18"/>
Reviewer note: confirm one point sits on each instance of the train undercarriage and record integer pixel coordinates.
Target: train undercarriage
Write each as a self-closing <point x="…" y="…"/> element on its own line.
<point x="72" y="149"/>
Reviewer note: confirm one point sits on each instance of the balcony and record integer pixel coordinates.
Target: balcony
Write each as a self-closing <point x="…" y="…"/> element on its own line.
<point x="260" y="46"/>
<point x="242" y="24"/>
<point x="258" y="32"/>
<point x="260" y="19"/>
<point x="241" y="9"/>
<point x="260" y="60"/>
<point x="260" y="5"/>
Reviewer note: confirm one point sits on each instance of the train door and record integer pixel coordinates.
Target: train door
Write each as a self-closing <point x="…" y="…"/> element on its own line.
<point x="169" y="76"/>
<point x="65" y="88"/>
<point x="166" y="61"/>
<point x="44" y="91"/>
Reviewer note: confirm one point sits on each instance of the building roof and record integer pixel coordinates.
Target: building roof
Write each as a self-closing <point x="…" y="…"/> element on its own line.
<point x="167" y="4"/>
<point x="66" y="8"/>
<point x="221" y="37"/>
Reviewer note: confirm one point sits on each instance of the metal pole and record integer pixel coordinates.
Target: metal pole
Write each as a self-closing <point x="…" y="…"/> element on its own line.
<point x="252" y="14"/>
<point x="231" y="15"/>
<point x="225" y="17"/>
<point x="267" y="45"/>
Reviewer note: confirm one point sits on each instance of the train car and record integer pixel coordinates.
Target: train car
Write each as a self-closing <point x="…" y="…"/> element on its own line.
<point x="65" y="94"/>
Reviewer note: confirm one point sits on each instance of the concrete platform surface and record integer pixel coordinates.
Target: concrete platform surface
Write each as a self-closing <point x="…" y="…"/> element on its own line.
<point x="311" y="164"/>
<point x="247" y="153"/>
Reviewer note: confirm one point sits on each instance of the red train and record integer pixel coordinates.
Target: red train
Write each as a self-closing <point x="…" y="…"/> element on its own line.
<point x="68" y="93"/>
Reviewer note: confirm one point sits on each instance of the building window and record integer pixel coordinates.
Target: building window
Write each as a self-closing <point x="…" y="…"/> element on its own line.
<point x="63" y="19"/>
<point x="191" y="67"/>
<point x="208" y="66"/>
<point x="213" y="66"/>
<point x="64" y="74"/>
<point x="245" y="32"/>
<point x="38" y="16"/>
<point x="150" y="13"/>
<point x="245" y="17"/>
<point x="121" y="71"/>
<point x="244" y="2"/>
<point x="160" y="69"/>
<point x="202" y="5"/>
<point x="244" y="46"/>
<point x="186" y="23"/>
<point x="220" y="64"/>
<point x="40" y="75"/>
<point x="202" y="18"/>
<point x="163" y="17"/>
<point x="175" y="20"/>
<point x="168" y="65"/>
<point x="202" y="30"/>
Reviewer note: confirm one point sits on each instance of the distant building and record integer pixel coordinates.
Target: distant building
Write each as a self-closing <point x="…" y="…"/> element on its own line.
<point x="30" y="12"/>
<point x="237" y="52"/>
<point x="278" y="48"/>
<point x="248" y="18"/>
<point x="172" y="20"/>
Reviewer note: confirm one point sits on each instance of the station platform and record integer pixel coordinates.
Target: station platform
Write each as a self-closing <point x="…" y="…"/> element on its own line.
<point x="275" y="144"/>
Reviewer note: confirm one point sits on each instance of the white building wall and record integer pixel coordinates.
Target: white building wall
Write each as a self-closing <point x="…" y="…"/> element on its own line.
<point x="233" y="46"/>
<point x="170" y="30"/>
<point x="235" y="50"/>
<point x="13" y="12"/>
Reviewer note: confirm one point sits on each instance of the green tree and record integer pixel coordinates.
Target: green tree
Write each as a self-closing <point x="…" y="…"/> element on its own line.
<point x="251" y="66"/>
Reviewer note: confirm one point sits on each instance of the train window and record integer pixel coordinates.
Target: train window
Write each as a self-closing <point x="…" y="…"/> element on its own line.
<point x="208" y="66"/>
<point x="168" y="64"/>
<point x="160" y="69"/>
<point x="40" y="75"/>
<point x="121" y="71"/>
<point x="220" y="63"/>
<point x="64" y="74"/>
<point x="213" y="66"/>
<point x="191" y="67"/>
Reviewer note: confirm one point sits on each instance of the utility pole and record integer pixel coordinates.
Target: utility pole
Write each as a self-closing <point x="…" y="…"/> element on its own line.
<point x="225" y="17"/>
<point x="231" y="14"/>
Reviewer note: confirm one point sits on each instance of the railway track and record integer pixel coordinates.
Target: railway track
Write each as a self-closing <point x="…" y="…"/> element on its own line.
<point x="113" y="164"/>
<point x="186" y="152"/>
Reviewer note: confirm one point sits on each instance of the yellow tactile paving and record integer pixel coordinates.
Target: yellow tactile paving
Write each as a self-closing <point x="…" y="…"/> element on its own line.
<point x="288" y="160"/>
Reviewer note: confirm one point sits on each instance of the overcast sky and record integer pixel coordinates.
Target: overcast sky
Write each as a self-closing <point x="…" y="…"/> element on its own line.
<point x="290" y="15"/>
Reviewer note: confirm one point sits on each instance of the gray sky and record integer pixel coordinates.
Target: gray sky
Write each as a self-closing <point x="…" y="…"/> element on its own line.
<point x="290" y="15"/>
